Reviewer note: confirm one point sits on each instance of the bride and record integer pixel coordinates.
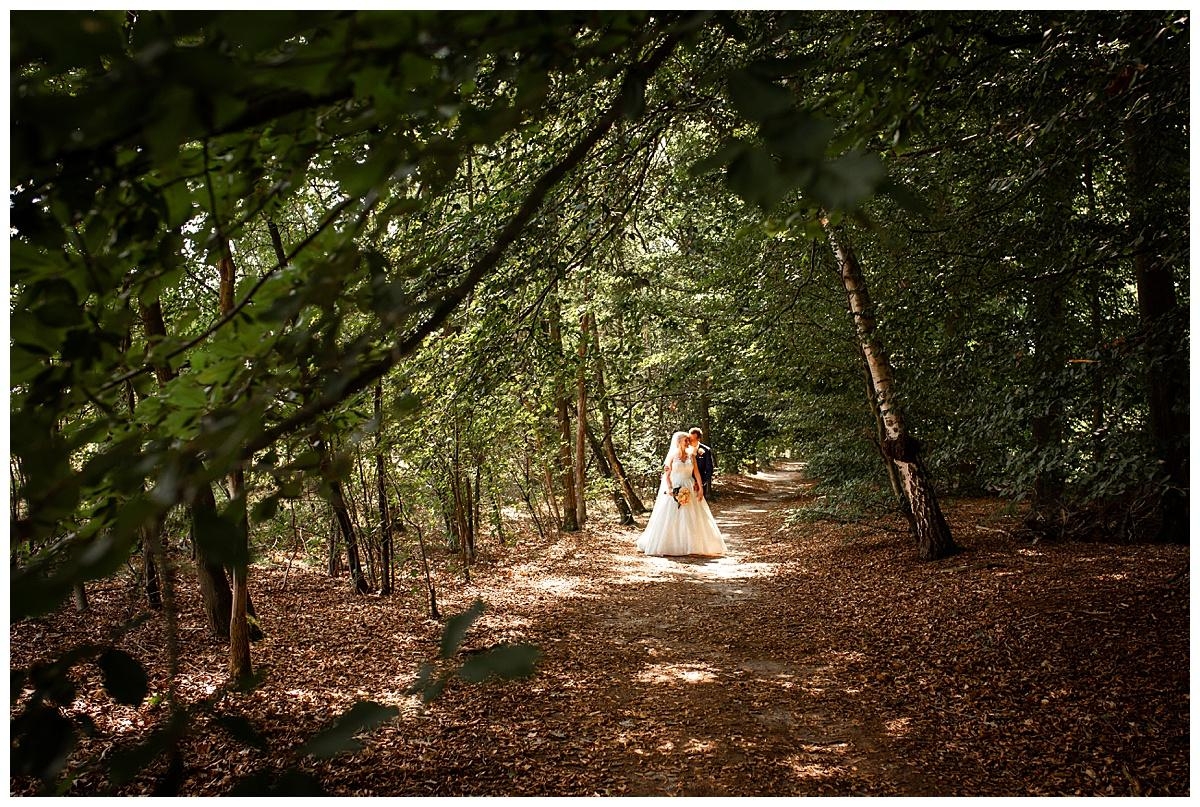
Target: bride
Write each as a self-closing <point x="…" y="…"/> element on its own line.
<point x="681" y="523"/>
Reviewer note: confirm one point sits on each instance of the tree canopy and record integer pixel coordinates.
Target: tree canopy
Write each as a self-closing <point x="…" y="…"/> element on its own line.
<point x="543" y="241"/>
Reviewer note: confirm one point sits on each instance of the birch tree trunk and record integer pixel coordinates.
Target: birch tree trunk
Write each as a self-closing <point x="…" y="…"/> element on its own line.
<point x="929" y="527"/>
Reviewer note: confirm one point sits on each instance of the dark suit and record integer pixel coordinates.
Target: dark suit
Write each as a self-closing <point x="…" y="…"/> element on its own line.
<point x="705" y="461"/>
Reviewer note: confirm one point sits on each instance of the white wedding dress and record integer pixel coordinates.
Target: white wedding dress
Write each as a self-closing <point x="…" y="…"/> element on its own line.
<point x="681" y="529"/>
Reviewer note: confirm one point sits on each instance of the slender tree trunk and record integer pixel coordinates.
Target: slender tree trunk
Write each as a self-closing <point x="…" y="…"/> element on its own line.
<point x="703" y="402"/>
<point x="360" y="523"/>
<point x="150" y="573"/>
<point x="605" y="469"/>
<point x="1047" y="426"/>
<point x="385" y="518"/>
<point x="581" y="425"/>
<point x="570" y="512"/>
<point x="341" y="511"/>
<point x="929" y="527"/>
<point x="403" y="518"/>
<point x="214" y="585"/>
<point x="880" y="438"/>
<point x="634" y="502"/>
<point x="239" y="629"/>
<point x="147" y="534"/>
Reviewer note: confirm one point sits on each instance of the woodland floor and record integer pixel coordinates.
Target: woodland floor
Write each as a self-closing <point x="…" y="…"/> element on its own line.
<point x="821" y="659"/>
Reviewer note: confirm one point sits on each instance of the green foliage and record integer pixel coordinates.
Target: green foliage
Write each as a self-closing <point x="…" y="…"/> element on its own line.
<point x="339" y="736"/>
<point x="443" y="228"/>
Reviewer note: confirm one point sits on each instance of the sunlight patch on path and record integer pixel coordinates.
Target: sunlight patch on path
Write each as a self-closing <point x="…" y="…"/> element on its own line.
<point x="653" y="567"/>
<point x="688" y="673"/>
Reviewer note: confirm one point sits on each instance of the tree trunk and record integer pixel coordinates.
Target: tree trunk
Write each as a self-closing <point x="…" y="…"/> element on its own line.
<point x="147" y="534"/>
<point x="634" y="502"/>
<point x="1162" y="324"/>
<point x="79" y="594"/>
<point x="239" y="629"/>
<point x="385" y="517"/>
<point x="606" y="470"/>
<point x="581" y="425"/>
<point x="880" y="438"/>
<point x="150" y="576"/>
<point x="214" y="585"/>
<point x="562" y="407"/>
<point x="341" y="511"/>
<point x="929" y="527"/>
<point x="703" y="401"/>
<point x="1096" y="324"/>
<point x="1047" y="426"/>
<point x="403" y="519"/>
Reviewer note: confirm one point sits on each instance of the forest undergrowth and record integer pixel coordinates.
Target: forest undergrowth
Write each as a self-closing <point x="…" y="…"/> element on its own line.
<point x="815" y="659"/>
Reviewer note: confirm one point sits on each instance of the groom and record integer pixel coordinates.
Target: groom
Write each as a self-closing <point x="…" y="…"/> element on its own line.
<point x="705" y="459"/>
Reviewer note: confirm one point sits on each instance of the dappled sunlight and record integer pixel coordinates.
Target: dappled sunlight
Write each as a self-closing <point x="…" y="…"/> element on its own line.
<point x="803" y="767"/>
<point x="565" y="586"/>
<point x="678" y="674"/>
<point x="729" y="567"/>
<point x="898" y="727"/>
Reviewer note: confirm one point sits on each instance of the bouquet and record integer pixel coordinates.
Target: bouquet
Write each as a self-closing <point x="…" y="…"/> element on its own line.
<point x="681" y="495"/>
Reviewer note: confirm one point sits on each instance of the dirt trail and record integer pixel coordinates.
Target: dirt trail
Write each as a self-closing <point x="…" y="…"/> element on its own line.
<point x="814" y="659"/>
<point x="664" y="675"/>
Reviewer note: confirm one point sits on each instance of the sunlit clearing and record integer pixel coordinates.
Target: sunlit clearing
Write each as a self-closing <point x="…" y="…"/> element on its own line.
<point x="677" y="673"/>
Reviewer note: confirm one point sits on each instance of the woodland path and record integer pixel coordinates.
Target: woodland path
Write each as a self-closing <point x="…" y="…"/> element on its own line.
<point x="815" y="659"/>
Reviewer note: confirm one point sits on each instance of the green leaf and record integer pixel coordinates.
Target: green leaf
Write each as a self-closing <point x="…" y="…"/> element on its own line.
<point x="798" y="136"/>
<point x="633" y="99"/>
<point x="755" y="177"/>
<point x="457" y="627"/>
<point x="849" y="180"/>
<point x="219" y="538"/>
<point x="339" y="737"/>
<point x="721" y="158"/>
<point x="242" y="730"/>
<point x="126" y="763"/>
<point x="266" y="509"/>
<point x="505" y="662"/>
<point x="756" y="98"/>
<point x="41" y="741"/>
<point x="124" y="677"/>
<point x="290" y="783"/>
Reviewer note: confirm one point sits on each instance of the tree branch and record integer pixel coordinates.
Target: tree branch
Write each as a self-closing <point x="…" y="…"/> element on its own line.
<point x="638" y="73"/>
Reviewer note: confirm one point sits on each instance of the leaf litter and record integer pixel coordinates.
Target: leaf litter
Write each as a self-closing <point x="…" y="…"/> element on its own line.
<point x="814" y="659"/>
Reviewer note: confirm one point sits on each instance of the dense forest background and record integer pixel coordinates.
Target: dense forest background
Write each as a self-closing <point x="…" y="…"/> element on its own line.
<point x="377" y="289"/>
